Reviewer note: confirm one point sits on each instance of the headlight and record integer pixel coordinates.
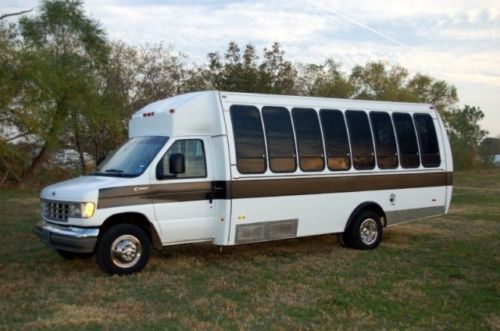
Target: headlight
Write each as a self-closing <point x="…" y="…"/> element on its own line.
<point x="81" y="210"/>
<point x="88" y="209"/>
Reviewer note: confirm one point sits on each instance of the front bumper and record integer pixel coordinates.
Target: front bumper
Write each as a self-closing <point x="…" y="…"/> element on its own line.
<point x="72" y="239"/>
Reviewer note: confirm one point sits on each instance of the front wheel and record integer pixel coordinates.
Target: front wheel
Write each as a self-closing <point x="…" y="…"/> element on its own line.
<point x="123" y="249"/>
<point x="365" y="231"/>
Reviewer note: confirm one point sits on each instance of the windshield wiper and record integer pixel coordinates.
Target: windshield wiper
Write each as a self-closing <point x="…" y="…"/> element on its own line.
<point x="116" y="171"/>
<point x="112" y="172"/>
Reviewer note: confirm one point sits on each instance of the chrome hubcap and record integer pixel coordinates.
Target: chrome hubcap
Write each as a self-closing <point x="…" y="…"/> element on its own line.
<point x="368" y="231"/>
<point x="126" y="250"/>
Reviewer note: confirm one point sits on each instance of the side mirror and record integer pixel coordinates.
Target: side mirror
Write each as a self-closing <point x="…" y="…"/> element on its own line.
<point x="177" y="164"/>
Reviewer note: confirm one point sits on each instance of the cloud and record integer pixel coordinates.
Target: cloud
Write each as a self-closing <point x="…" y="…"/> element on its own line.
<point x="455" y="40"/>
<point x="372" y="11"/>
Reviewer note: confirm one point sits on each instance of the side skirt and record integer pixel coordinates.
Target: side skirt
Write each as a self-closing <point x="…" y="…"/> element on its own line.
<point x="266" y="231"/>
<point x="408" y="215"/>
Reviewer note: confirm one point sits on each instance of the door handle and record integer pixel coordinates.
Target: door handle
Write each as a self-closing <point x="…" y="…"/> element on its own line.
<point x="210" y="197"/>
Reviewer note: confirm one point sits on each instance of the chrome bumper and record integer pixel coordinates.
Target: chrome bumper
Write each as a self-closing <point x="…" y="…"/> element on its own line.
<point x="73" y="239"/>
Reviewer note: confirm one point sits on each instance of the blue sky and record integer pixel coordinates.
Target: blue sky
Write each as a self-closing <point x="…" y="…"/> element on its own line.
<point x="458" y="41"/>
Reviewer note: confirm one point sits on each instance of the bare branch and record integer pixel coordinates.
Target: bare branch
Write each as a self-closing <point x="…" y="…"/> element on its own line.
<point x="16" y="13"/>
<point x="16" y="136"/>
<point x="59" y="167"/>
<point x="21" y="183"/>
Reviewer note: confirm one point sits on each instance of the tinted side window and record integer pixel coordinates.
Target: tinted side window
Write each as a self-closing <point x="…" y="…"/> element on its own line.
<point x="280" y="141"/>
<point x="427" y="137"/>
<point x="248" y="139"/>
<point x="385" y="143"/>
<point x="309" y="141"/>
<point x="336" y="141"/>
<point x="361" y="139"/>
<point x="407" y="140"/>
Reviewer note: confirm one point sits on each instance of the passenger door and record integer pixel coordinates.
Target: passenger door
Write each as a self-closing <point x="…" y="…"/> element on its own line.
<point x="183" y="202"/>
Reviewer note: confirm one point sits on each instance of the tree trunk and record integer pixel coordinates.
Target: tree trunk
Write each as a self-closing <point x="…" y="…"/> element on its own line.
<point x="78" y="142"/>
<point x="4" y="178"/>
<point x="37" y="161"/>
<point x="82" y="161"/>
<point x="50" y="140"/>
<point x="81" y="153"/>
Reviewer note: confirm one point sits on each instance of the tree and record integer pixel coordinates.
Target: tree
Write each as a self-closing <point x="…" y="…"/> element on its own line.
<point x="465" y="135"/>
<point x="63" y="50"/>
<point x="491" y="145"/>
<point x="117" y="79"/>
<point x="423" y="88"/>
<point x="64" y="86"/>
<point x="159" y="74"/>
<point x="488" y="149"/>
<point x="325" y="80"/>
<point x="277" y="75"/>
<point x="234" y="73"/>
<point x="9" y="65"/>
<point x="11" y="130"/>
<point x="377" y="81"/>
<point x="243" y="73"/>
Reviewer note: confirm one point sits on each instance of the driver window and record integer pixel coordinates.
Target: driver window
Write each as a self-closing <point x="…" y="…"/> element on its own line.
<point x="194" y="159"/>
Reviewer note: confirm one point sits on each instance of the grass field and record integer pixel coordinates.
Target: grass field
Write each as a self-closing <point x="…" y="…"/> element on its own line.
<point x="442" y="273"/>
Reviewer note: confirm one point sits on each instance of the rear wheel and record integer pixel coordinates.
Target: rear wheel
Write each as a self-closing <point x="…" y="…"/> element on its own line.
<point x="123" y="249"/>
<point x="364" y="232"/>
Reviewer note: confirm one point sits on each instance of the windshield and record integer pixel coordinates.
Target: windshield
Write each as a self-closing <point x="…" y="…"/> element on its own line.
<point x="131" y="158"/>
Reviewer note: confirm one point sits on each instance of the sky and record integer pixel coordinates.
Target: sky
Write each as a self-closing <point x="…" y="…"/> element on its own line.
<point x="454" y="40"/>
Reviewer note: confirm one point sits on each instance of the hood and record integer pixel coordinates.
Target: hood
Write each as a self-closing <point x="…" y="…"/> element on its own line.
<point x="85" y="188"/>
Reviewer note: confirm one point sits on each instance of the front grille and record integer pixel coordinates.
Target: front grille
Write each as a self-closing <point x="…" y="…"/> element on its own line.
<point x="55" y="210"/>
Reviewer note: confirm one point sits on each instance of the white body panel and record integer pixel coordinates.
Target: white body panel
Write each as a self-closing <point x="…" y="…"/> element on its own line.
<point x="191" y="114"/>
<point x="86" y="189"/>
<point x="326" y="213"/>
<point x="186" y="221"/>
<point x="329" y="213"/>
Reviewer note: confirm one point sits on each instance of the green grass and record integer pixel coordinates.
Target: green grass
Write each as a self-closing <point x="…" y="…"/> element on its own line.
<point x="442" y="273"/>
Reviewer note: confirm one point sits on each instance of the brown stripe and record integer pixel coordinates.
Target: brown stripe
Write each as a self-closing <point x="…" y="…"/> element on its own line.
<point x="134" y="195"/>
<point x="180" y="192"/>
<point x="335" y="184"/>
<point x="239" y="189"/>
<point x="449" y="178"/>
<point x="121" y="196"/>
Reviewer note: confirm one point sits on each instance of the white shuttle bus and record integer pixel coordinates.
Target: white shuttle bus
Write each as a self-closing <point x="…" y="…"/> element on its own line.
<point x="237" y="168"/>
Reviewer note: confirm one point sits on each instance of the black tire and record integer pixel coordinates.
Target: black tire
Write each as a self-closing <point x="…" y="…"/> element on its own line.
<point x="124" y="239"/>
<point x="365" y="231"/>
<point x="67" y="255"/>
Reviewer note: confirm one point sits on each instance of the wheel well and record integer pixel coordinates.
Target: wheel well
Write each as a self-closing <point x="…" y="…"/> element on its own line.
<point x="373" y="206"/>
<point x="137" y="219"/>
